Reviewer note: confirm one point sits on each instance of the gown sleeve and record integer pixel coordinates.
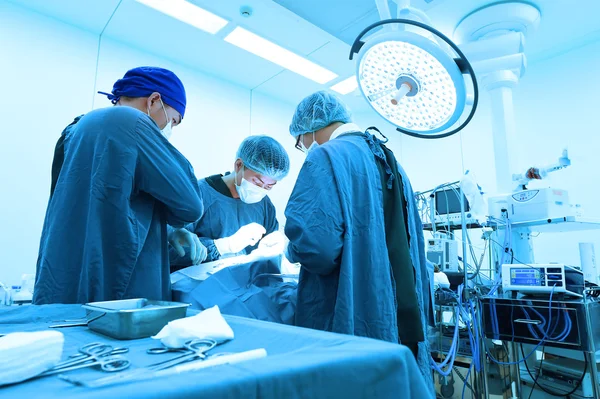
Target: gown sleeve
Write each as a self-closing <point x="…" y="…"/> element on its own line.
<point x="315" y="225"/>
<point x="164" y="173"/>
<point x="271" y="223"/>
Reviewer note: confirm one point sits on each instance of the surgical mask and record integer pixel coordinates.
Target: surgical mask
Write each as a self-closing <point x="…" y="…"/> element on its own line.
<point x="248" y="192"/>
<point x="311" y="147"/>
<point x="166" y="131"/>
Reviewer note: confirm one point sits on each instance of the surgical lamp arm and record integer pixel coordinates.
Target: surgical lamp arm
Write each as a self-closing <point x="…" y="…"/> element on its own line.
<point x="406" y="11"/>
<point x="535" y="173"/>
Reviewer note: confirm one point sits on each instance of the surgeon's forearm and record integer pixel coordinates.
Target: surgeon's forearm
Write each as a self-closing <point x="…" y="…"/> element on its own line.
<point x="177" y="260"/>
<point x="313" y="259"/>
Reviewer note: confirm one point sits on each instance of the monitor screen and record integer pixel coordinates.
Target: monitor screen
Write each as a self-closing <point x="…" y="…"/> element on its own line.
<point x="448" y="201"/>
<point x="526" y="276"/>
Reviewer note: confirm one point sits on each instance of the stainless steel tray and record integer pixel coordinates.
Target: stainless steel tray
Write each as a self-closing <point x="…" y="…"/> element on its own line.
<point x="132" y="318"/>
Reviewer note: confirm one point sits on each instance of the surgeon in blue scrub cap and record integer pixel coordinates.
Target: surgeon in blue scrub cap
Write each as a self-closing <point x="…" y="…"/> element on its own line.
<point x="238" y="211"/>
<point x="116" y="184"/>
<point x="353" y="225"/>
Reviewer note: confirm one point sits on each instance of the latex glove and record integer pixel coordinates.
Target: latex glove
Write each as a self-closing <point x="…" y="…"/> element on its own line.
<point x="247" y="235"/>
<point x="274" y="242"/>
<point x="179" y="238"/>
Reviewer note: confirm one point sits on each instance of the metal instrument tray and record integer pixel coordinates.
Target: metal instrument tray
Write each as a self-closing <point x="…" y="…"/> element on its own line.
<point x="132" y="318"/>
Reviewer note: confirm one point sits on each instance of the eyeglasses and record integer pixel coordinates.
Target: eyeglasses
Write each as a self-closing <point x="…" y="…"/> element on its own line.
<point x="299" y="145"/>
<point x="257" y="181"/>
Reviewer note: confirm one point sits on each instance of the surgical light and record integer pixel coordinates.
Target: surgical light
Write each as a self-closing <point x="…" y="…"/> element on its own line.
<point x="188" y="13"/>
<point x="413" y="82"/>
<point x="346" y="86"/>
<point x="270" y="51"/>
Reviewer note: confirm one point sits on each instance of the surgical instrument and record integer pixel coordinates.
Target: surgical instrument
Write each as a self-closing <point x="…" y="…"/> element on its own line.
<point x="92" y="355"/>
<point x="145" y="374"/>
<point x="115" y="351"/>
<point x="76" y="322"/>
<point x="193" y="350"/>
<point x="107" y="363"/>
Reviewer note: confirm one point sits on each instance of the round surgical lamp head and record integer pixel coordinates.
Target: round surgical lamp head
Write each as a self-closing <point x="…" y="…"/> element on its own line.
<point x="412" y="82"/>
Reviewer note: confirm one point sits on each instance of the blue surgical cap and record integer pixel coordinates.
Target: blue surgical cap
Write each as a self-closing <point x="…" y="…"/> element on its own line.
<point x="143" y="81"/>
<point x="265" y="155"/>
<point x="317" y="111"/>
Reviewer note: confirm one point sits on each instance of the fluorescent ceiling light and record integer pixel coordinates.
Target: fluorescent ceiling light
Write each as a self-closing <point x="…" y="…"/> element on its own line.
<point x="270" y="51"/>
<point x="188" y="13"/>
<point x="346" y="86"/>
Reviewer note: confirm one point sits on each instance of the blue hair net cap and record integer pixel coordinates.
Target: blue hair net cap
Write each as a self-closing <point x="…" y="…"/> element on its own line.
<point x="317" y="111"/>
<point x="264" y="155"/>
<point x="143" y="81"/>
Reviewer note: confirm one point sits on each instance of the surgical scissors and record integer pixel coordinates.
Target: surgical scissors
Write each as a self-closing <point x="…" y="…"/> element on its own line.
<point x="192" y="350"/>
<point x="92" y="355"/>
<point x="114" y="351"/>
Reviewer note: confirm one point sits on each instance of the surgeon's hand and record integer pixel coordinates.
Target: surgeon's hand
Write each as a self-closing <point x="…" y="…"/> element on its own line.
<point x="179" y="238"/>
<point x="247" y="235"/>
<point x="274" y="242"/>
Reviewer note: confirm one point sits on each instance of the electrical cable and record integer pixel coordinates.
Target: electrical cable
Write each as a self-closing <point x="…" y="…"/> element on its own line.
<point x="465" y="385"/>
<point x="535" y="348"/>
<point x="560" y="395"/>
<point x="537" y="375"/>
<point x="463" y="379"/>
<point x="513" y="260"/>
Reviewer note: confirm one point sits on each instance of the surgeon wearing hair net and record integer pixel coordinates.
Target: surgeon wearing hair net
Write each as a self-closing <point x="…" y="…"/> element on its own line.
<point x="116" y="184"/>
<point x="238" y="211"/>
<point x="353" y="225"/>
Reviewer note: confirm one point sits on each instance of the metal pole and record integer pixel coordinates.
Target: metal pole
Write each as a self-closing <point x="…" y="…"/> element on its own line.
<point x="482" y="355"/>
<point x="590" y="351"/>
<point x="464" y="241"/>
<point x="512" y="357"/>
<point x="479" y="382"/>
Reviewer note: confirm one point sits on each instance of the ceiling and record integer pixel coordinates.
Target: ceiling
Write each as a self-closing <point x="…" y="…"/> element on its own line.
<point x="320" y="30"/>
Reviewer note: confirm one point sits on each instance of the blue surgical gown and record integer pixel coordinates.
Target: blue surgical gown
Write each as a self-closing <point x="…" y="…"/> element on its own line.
<point x="105" y="231"/>
<point x="223" y="216"/>
<point x="335" y="224"/>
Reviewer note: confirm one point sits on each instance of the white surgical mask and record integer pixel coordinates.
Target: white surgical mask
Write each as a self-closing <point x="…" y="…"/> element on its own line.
<point x="248" y="192"/>
<point x="311" y="147"/>
<point x="166" y="131"/>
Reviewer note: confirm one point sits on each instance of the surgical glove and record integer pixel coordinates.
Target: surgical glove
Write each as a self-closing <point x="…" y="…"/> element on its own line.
<point x="274" y="242"/>
<point x="246" y="236"/>
<point x="179" y="238"/>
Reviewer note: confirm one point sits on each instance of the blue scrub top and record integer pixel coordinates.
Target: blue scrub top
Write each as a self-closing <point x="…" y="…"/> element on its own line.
<point x="335" y="224"/>
<point x="223" y="217"/>
<point x="105" y="231"/>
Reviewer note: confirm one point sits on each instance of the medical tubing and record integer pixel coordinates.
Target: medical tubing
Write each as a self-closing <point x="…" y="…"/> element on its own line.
<point x="534" y="349"/>
<point x="453" y="347"/>
<point x="494" y="317"/>
<point x="477" y="336"/>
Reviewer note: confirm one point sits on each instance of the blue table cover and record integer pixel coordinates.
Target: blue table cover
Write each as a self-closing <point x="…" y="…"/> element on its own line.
<point x="301" y="363"/>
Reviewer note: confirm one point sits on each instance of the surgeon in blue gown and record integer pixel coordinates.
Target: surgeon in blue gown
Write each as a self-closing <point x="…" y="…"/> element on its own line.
<point x="117" y="183"/>
<point x="238" y="211"/>
<point x="353" y="225"/>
